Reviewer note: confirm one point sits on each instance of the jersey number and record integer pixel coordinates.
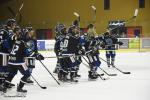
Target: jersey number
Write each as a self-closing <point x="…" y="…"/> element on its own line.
<point x="15" y="48"/>
<point x="64" y="44"/>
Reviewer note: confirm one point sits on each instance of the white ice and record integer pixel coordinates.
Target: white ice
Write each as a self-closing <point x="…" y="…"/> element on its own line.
<point x="135" y="86"/>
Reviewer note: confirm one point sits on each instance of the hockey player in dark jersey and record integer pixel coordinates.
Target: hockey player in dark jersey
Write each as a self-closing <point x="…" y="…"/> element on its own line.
<point x="67" y="47"/>
<point x="3" y="56"/>
<point x="7" y="38"/>
<point x="91" y="47"/>
<point x="110" y="42"/>
<point x="74" y="31"/>
<point x="17" y="62"/>
<point x="58" y="37"/>
<point x="31" y="42"/>
<point x="11" y="24"/>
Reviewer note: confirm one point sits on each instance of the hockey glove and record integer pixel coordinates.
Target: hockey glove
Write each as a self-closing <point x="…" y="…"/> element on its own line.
<point x="120" y="43"/>
<point x="39" y="56"/>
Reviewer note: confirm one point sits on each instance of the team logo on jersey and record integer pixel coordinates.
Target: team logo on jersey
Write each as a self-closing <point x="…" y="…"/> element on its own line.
<point x="31" y="45"/>
<point x="109" y="41"/>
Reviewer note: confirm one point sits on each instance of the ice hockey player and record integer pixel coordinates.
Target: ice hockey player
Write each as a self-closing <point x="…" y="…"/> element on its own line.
<point x="57" y="46"/>
<point x="7" y="38"/>
<point x="110" y="42"/>
<point x="67" y="49"/>
<point x="74" y="31"/>
<point x="31" y="43"/>
<point x="17" y="62"/>
<point x="92" y="53"/>
<point x="3" y="56"/>
<point x="91" y="30"/>
<point x="11" y="24"/>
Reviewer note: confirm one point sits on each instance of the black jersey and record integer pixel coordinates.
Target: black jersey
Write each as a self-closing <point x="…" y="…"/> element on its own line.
<point x="68" y="45"/>
<point x="4" y="43"/>
<point x="110" y="42"/>
<point x="18" y="52"/>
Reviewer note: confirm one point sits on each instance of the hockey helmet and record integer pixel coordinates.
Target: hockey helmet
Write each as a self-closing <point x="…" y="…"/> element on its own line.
<point x="10" y="22"/>
<point x="90" y="26"/>
<point x="75" y="23"/>
<point x="60" y="28"/>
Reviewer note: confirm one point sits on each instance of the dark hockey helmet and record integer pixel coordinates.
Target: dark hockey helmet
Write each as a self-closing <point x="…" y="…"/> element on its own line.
<point x="17" y="32"/>
<point x="17" y="29"/>
<point x="90" y="26"/>
<point x="60" y="28"/>
<point x="10" y="22"/>
<point x="29" y="28"/>
<point x="75" y="23"/>
<point x="106" y="34"/>
<point x="73" y="30"/>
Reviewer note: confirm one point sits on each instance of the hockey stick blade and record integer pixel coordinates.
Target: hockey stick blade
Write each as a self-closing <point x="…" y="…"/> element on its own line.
<point x="136" y="12"/>
<point x="116" y="67"/>
<point x="111" y="74"/>
<point x="127" y="72"/>
<point x="44" y="87"/>
<point x="107" y="72"/>
<point x="122" y="71"/>
<point x="104" y="79"/>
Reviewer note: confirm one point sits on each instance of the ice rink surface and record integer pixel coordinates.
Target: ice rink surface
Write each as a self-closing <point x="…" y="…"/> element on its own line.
<point x="135" y="86"/>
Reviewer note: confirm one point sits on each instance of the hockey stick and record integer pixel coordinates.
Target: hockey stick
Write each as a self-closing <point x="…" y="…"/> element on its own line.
<point x="19" y="10"/>
<point x="42" y="87"/>
<point x="127" y="21"/>
<point x="116" y="67"/>
<point x="107" y="72"/>
<point x="49" y="72"/>
<point x="94" y="16"/>
<point x="63" y="56"/>
<point x="11" y="11"/>
<point x="77" y="15"/>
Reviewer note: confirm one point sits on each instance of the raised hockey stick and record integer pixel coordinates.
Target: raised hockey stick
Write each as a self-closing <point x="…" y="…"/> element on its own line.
<point x="49" y="72"/>
<point x="94" y="15"/>
<point x="116" y="67"/>
<point x="42" y="87"/>
<point x="21" y="6"/>
<point x="130" y="19"/>
<point x="78" y="18"/>
<point x="77" y="15"/>
<point x="11" y="11"/>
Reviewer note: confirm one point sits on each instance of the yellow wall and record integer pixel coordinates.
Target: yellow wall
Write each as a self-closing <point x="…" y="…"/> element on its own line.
<point x="46" y="13"/>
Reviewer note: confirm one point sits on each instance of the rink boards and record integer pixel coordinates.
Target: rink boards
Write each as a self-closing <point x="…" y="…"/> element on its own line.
<point x="129" y="45"/>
